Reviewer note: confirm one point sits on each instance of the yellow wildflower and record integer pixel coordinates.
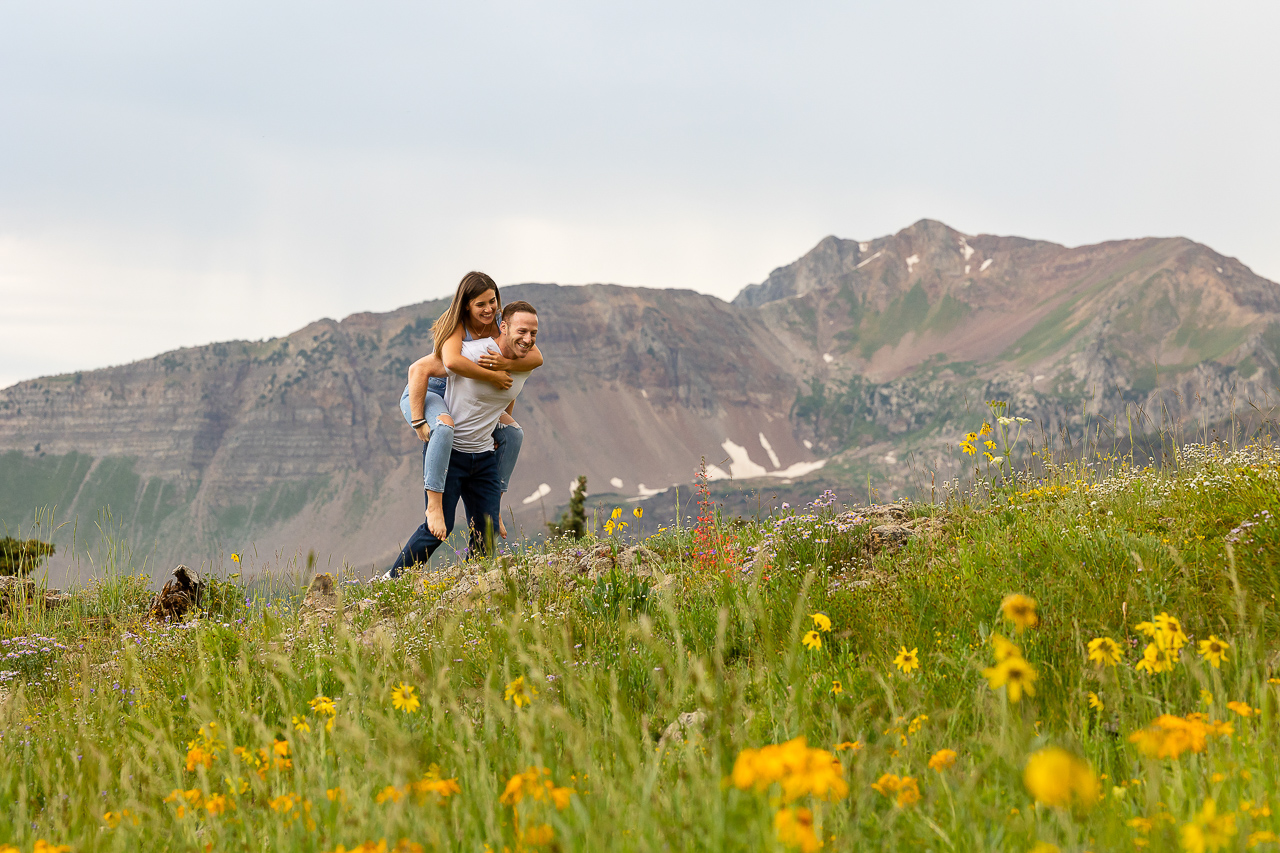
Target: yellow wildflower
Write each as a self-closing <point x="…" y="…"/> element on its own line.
<point x="403" y="698"/>
<point x="1206" y="698"/>
<point x="43" y="846"/>
<point x="537" y="836"/>
<point x="301" y="724"/>
<point x="433" y="783"/>
<point x="1262" y="836"/>
<point x="853" y="746"/>
<point x="1104" y="651"/>
<point x="794" y="828"/>
<point x="836" y="687"/>
<point x="1020" y="610"/>
<point x="821" y="621"/>
<point x="1242" y="709"/>
<point x="638" y="512"/>
<point x="1208" y="831"/>
<point x="391" y="794"/>
<point x="942" y="759"/>
<point x="217" y="804"/>
<point x="1003" y="649"/>
<point x="235" y="558"/>
<point x="1045" y="847"/>
<point x="323" y="705"/>
<point x="907" y="660"/>
<point x="1095" y="702"/>
<point x="1057" y="778"/>
<point x="519" y="693"/>
<point x="1214" y="650"/>
<point x="904" y="790"/>
<point x="812" y="640"/>
<point x="796" y="768"/>
<point x="1015" y="675"/>
<point x="336" y="795"/>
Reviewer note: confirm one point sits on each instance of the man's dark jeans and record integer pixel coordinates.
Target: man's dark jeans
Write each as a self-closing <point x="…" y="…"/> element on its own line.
<point x="473" y="477"/>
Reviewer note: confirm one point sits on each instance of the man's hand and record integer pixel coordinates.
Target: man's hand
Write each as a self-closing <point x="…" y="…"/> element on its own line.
<point x="502" y="379"/>
<point x="495" y="361"/>
<point x="424" y="432"/>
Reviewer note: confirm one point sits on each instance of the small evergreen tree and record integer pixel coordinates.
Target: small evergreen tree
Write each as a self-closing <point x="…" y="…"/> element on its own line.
<point x="574" y="520"/>
<point x="19" y="557"/>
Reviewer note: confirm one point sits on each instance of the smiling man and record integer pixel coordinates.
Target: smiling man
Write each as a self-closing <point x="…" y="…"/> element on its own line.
<point x="476" y="407"/>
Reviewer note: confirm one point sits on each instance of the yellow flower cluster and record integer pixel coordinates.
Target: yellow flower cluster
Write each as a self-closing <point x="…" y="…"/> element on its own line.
<point x="903" y="790"/>
<point x="290" y="807"/>
<point x="942" y="759"/>
<point x="1208" y="830"/>
<point x="404" y="845"/>
<point x="906" y="661"/>
<point x="1057" y="778"/>
<point x="530" y="785"/>
<point x="432" y="782"/>
<point x="203" y="751"/>
<point x="1169" y="736"/>
<point x="615" y="521"/>
<point x="323" y="706"/>
<point x="793" y="766"/>
<point x="41" y="846"/>
<point x="113" y="819"/>
<point x="534" y="786"/>
<point x="1011" y="671"/>
<point x="1167" y="638"/>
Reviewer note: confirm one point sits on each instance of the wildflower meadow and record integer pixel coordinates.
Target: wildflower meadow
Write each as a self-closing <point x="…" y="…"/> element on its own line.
<point x="1067" y="656"/>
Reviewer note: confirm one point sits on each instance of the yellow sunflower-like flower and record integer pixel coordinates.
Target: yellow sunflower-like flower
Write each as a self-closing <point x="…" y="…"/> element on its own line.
<point x="942" y="759"/>
<point x="812" y="640"/>
<point x="1015" y="675"/>
<point x="1057" y="778"/>
<point x="1020" y="610"/>
<point x="1104" y="651"/>
<point x="907" y="660"/>
<point x="403" y="698"/>
<point x="301" y="724"/>
<point x="820" y="621"/>
<point x="836" y="687"/>
<point x="1242" y="708"/>
<point x="519" y="693"/>
<point x="1214" y="650"/>
<point x="1095" y="702"/>
<point x="1208" y="831"/>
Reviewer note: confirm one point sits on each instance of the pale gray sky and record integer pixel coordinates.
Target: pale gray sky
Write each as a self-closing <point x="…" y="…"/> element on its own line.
<point x="178" y="173"/>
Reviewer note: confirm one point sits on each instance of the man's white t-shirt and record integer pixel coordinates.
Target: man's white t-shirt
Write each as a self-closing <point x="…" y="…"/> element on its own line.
<point x="475" y="405"/>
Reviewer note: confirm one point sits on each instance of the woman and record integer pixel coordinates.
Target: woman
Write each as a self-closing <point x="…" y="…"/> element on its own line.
<point x="473" y="313"/>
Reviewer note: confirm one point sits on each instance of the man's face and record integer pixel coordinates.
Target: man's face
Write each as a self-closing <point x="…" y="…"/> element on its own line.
<point x="520" y="333"/>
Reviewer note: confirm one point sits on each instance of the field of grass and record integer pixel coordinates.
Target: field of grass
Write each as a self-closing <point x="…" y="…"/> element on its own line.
<point x="1087" y="660"/>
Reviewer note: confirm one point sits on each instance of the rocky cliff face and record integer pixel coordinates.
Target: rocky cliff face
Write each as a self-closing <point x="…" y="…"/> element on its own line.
<point x="861" y="351"/>
<point x="298" y="442"/>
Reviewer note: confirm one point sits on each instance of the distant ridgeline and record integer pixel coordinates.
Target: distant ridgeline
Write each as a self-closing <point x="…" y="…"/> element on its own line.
<point x="849" y="358"/>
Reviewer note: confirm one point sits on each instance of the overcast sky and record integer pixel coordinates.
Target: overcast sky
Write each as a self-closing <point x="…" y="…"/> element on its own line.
<point x="178" y="173"/>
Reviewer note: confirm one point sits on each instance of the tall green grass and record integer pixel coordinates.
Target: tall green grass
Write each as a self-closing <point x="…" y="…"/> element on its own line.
<point x="104" y="726"/>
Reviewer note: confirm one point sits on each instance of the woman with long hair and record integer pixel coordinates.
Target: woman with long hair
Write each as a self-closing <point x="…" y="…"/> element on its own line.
<point x="473" y="314"/>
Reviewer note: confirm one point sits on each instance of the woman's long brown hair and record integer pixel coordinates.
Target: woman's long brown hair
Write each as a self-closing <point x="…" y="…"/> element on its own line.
<point x="472" y="285"/>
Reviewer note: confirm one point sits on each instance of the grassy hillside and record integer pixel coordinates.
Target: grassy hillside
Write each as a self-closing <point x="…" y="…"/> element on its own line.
<point x="943" y="690"/>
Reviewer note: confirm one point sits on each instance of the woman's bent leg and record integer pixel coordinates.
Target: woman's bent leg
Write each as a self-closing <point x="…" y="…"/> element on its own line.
<point x="435" y="462"/>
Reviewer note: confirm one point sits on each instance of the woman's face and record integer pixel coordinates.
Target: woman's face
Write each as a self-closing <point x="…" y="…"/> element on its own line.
<point x="483" y="310"/>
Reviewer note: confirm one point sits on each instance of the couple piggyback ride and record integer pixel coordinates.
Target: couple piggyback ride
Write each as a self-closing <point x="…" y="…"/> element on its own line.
<point x="460" y="400"/>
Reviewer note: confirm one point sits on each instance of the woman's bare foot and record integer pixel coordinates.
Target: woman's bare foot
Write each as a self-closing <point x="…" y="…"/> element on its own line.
<point x="435" y="516"/>
<point x="502" y="528"/>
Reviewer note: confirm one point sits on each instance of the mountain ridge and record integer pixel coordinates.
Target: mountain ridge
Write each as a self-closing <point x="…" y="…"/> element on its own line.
<point x="852" y="356"/>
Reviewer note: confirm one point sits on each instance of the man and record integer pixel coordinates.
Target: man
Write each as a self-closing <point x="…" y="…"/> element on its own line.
<point x="473" y="465"/>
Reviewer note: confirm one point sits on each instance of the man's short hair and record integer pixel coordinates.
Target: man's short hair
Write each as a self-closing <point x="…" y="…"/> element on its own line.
<point x="517" y="307"/>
